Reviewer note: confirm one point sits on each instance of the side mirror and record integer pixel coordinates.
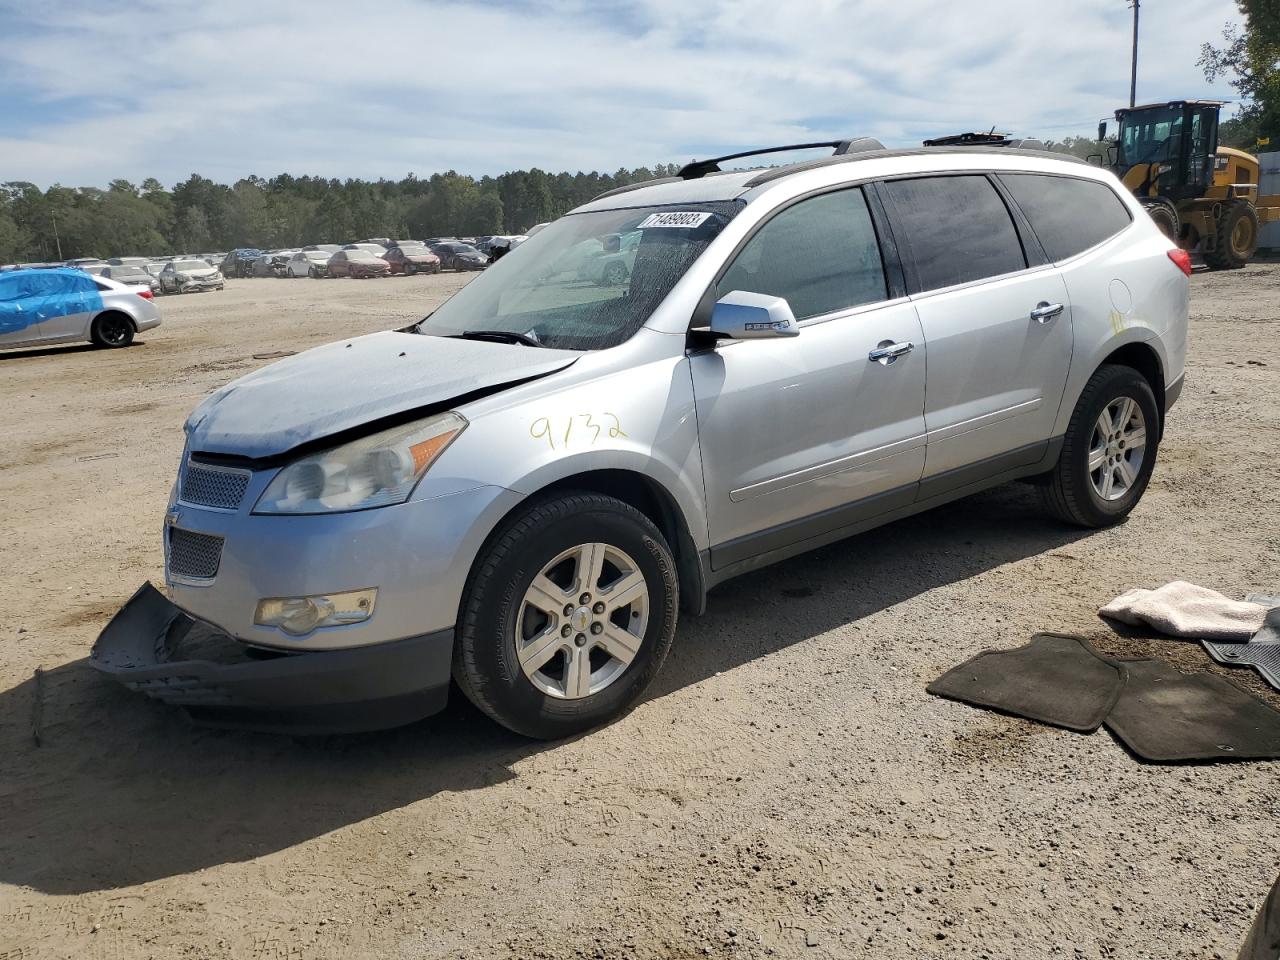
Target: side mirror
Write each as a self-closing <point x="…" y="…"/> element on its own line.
<point x="1094" y="158"/>
<point x="612" y="243"/>
<point x="1102" y="129"/>
<point x="753" y="316"/>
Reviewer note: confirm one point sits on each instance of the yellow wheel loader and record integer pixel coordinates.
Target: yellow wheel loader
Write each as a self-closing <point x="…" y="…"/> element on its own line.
<point x="1204" y="197"/>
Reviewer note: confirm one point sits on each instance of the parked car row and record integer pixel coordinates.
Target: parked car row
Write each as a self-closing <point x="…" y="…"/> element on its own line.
<point x="406" y="257"/>
<point x="370" y="258"/>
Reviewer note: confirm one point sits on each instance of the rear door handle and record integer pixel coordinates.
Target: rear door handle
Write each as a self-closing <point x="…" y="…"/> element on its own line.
<point x="888" y="351"/>
<point x="1045" y="311"/>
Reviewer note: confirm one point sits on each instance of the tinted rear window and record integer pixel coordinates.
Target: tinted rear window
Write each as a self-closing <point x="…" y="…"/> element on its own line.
<point x="1068" y="215"/>
<point x="955" y="229"/>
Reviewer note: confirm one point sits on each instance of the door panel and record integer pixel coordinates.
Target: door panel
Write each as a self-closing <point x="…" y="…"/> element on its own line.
<point x="17" y="327"/>
<point x="66" y="326"/>
<point x="791" y="428"/>
<point x="996" y="375"/>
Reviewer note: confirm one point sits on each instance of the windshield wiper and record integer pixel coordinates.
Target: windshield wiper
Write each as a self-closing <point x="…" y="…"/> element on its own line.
<point x="501" y="336"/>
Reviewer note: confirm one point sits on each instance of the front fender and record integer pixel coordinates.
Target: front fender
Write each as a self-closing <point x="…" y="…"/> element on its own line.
<point x="639" y="419"/>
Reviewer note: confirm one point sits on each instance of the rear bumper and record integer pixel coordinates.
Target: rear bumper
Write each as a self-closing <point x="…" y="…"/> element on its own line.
<point x="153" y="647"/>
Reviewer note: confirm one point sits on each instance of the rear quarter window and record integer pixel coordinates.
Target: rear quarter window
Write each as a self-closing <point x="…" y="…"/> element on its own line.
<point x="957" y="229"/>
<point x="1068" y="215"/>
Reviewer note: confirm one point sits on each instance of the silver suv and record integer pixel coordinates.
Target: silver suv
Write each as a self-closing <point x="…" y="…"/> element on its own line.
<point x="520" y="492"/>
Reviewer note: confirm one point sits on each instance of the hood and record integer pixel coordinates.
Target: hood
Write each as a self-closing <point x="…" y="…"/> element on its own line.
<point x="347" y="384"/>
<point x="198" y="271"/>
<point x="422" y="257"/>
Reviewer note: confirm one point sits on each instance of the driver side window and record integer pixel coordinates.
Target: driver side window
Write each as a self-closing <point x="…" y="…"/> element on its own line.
<point x="821" y="254"/>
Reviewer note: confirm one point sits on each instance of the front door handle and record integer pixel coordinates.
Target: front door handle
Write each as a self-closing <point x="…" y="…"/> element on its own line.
<point x="888" y="351"/>
<point x="1045" y="311"/>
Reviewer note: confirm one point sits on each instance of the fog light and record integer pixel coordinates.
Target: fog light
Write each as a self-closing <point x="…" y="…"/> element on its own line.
<point x="301" y="615"/>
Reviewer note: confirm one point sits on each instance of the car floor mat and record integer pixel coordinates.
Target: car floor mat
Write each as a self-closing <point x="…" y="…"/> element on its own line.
<point x="1166" y="716"/>
<point x="1261" y="651"/>
<point x="1056" y="679"/>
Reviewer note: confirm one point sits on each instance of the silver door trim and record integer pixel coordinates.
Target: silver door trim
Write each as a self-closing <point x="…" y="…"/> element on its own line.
<point x="828" y="469"/>
<point x="985" y="420"/>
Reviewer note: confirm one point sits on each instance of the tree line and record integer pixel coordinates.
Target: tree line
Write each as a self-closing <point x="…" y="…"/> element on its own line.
<point x="199" y="215"/>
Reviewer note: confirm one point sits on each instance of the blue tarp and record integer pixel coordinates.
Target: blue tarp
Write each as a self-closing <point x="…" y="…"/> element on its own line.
<point x="29" y="296"/>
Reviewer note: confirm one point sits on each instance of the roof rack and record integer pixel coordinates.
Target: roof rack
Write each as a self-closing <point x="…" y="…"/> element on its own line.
<point x="988" y="139"/>
<point x="700" y="168"/>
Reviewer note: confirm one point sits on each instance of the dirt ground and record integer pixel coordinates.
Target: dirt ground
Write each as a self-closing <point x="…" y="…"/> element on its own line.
<point x="787" y="788"/>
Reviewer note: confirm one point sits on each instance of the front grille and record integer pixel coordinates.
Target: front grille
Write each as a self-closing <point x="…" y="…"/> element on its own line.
<point x="204" y="485"/>
<point x="194" y="555"/>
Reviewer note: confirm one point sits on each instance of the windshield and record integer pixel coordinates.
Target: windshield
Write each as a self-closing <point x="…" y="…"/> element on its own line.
<point x="587" y="281"/>
<point x="1146" y="135"/>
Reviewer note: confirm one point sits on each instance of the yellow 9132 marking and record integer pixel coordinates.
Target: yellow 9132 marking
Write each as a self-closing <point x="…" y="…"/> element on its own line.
<point x="579" y="427"/>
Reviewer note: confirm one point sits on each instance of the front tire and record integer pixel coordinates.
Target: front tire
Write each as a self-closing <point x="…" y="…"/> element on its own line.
<point x="1108" y="452"/>
<point x="568" y="616"/>
<point x="410" y="269"/>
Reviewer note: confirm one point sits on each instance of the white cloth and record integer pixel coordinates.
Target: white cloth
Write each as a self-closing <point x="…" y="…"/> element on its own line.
<point x="1183" y="609"/>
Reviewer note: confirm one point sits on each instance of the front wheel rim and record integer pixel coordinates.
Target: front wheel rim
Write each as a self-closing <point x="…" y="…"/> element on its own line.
<point x="1117" y="449"/>
<point x="582" y="621"/>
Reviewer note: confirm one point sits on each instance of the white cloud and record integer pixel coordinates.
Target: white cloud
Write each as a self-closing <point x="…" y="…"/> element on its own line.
<point x="348" y="88"/>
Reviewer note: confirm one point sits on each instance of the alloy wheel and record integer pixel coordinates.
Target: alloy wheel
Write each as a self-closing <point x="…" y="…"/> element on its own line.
<point x="582" y="621"/>
<point x="114" y="330"/>
<point x="1117" y="448"/>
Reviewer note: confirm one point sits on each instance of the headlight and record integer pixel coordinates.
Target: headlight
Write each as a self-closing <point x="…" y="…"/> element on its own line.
<point x="374" y="471"/>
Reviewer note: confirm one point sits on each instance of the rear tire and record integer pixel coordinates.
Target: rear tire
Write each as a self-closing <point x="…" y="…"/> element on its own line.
<point x="1102" y="471"/>
<point x="112" y="330"/>
<point x="1235" y="236"/>
<point x="578" y="548"/>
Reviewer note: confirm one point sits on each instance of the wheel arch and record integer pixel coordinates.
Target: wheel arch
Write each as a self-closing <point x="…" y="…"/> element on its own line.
<point x="651" y="498"/>
<point x="113" y="311"/>
<point x="1141" y="356"/>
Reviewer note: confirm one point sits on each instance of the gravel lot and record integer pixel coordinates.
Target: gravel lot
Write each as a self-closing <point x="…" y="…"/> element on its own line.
<point x="787" y="789"/>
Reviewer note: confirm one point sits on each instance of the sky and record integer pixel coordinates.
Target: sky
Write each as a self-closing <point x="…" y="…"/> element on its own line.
<point x="380" y="88"/>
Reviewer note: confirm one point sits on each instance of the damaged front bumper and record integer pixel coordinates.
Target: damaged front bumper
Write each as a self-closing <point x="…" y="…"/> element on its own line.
<point x="153" y="647"/>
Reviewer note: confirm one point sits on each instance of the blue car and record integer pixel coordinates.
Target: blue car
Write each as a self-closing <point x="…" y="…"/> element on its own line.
<point x="39" y="307"/>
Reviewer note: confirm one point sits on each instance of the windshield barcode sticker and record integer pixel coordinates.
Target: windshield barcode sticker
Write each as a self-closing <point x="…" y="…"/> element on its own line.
<point x="683" y="220"/>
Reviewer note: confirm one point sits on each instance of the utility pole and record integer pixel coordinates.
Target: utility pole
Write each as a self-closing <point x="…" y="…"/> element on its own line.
<point x="55" y="233"/>
<point x="1133" y="72"/>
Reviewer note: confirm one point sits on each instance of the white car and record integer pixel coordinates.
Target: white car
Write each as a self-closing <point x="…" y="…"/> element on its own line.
<point x="39" y="307"/>
<point x="190" y="276"/>
<point x="309" y="263"/>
